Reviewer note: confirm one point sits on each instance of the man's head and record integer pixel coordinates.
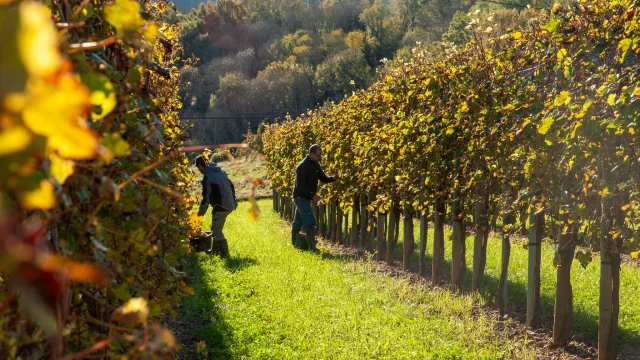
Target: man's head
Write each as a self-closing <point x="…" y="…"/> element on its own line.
<point x="201" y="163"/>
<point x="315" y="152"/>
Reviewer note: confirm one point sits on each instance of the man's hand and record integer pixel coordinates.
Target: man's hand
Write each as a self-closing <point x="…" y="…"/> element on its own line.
<point x="316" y="198"/>
<point x="335" y="177"/>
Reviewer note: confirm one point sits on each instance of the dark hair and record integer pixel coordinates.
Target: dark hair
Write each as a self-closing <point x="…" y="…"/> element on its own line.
<point x="200" y="161"/>
<point x="314" y="149"/>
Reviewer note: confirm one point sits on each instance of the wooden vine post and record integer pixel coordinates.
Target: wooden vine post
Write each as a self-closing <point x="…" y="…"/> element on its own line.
<point x="438" y="240"/>
<point x="363" y="222"/>
<point x="424" y="230"/>
<point x="321" y="217"/>
<point x="354" y="221"/>
<point x="408" y="241"/>
<point x="370" y="218"/>
<point x="274" y="199"/>
<point x="393" y="223"/>
<point x="337" y="233"/>
<point x="458" y="238"/>
<point x="345" y="234"/>
<point x="563" y="308"/>
<point x="536" y="227"/>
<point x="481" y="235"/>
<point x="502" y="298"/>
<point x="609" y="306"/>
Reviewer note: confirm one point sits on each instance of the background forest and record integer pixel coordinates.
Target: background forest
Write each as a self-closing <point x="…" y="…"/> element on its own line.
<point x="257" y="60"/>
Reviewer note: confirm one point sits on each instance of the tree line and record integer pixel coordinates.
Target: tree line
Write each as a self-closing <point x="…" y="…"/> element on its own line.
<point x="266" y="58"/>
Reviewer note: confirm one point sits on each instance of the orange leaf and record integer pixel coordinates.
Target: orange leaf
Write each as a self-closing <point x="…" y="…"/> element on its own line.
<point x="187" y="289"/>
<point x="73" y="270"/>
<point x="85" y="273"/>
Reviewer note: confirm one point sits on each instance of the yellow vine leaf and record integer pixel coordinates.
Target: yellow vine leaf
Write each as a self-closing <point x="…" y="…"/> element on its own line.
<point x="552" y="25"/>
<point x="164" y="338"/>
<point x="561" y="54"/>
<point x="124" y="15"/>
<point x="74" y="143"/>
<point x="151" y="33"/>
<point x="57" y="113"/>
<point x="103" y="95"/>
<point x="135" y="311"/>
<point x="41" y="198"/>
<point x="113" y="146"/>
<point x="60" y="168"/>
<point x="635" y="254"/>
<point x="195" y="221"/>
<point x="546" y="125"/>
<point x="254" y="211"/>
<point x="562" y="99"/>
<point x="624" y="45"/>
<point x="14" y="139"/>
<point x="38" y="40"/>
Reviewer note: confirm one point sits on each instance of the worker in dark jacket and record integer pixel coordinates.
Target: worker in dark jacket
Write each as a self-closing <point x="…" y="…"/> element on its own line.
<point x="305" y="190"/>
<point x="219" y="192"/>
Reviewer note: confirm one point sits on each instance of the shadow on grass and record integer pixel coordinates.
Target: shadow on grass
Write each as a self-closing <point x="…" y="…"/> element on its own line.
<point x="234" y="264"/>
<point x="202" y="314"/>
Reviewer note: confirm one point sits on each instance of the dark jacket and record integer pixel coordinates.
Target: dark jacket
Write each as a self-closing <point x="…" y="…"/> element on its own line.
<point x="308" y="173"/>
<point x="217" y="190"/>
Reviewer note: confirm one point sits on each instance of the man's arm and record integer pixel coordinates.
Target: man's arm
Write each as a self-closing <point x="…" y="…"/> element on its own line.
<point x="323" y="177"/>
<point x="205" y="198"/>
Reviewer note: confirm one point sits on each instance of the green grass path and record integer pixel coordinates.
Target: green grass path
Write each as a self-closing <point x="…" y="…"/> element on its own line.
<point x="271" y="301"/>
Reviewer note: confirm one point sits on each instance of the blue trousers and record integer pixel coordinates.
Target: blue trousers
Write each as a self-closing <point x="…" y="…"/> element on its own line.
<point x="304" y="216"/>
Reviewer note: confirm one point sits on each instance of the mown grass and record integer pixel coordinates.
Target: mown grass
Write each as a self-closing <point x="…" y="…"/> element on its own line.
<point x="271" y="301"/>
<point x="585" y="283"/>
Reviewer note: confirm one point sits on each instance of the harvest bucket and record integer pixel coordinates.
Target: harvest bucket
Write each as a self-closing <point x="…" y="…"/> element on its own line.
<point x="202" y="243"/>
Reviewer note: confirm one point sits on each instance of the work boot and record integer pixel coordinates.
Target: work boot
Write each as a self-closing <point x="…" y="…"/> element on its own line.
<point x="219" y="248"/>
<point x="311" y="238"/>
<point x="223" y="248"/>
<point x="301" y="242"/>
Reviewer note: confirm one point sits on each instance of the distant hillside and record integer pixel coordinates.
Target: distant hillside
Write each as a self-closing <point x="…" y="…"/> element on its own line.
<point x="261" y="59"/>
<point x="185" y="5"/>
